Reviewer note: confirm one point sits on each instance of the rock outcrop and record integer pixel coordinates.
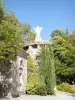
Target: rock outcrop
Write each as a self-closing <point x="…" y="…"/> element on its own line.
<point x="19" y="75"/>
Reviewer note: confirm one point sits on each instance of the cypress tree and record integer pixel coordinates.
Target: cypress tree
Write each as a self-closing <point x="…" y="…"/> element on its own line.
<point x="47" y="70"/>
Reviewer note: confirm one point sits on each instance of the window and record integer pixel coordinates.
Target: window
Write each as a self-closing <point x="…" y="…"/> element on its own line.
<point x="26" y="48"/>
<point x="34" y="46"/>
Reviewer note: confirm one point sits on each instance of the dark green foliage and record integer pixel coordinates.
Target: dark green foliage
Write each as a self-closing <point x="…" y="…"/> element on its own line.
<point x="27" y="28"/>
<point x="64" y="54"/>
<point x="66" y="88"/>
<point x="1" y="10"/>
<point x="42" y="90"/>
<point x="67" y="31"/>
<point x="46" y="68"/>
<point x="11" y="34"/>
<point x="11" y="31"/>
<point x="42" y="82"/>
<point x="70" y="38"/>
<point x="59" y="32"/>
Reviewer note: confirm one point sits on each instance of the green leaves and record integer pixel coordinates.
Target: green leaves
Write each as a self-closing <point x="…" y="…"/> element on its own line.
<point x="64" y="52"/>
<point x="1" y="10"/>
<point x="46" y="68"/>
<point x="58" y="32"/>
<point x="66" y="88"/>
<point x="11" y="34"/>
<point x="33" y="76"/>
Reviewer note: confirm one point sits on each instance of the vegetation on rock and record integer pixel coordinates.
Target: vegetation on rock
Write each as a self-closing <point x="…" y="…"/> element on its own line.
<point x="33" y="76"/>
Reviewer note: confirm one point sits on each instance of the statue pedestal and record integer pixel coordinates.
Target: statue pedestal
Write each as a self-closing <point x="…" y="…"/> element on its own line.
<point x="38" y="38"/>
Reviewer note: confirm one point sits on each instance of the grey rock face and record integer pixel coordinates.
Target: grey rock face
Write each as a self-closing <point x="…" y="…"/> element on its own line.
<point x="19" y="71"/>
<point x="13" y="77"/>
<point x="19" y="76"/>
<point x="5" y="75"/>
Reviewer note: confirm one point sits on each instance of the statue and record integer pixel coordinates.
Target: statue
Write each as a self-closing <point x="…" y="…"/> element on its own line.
<point x="38" y="31"/>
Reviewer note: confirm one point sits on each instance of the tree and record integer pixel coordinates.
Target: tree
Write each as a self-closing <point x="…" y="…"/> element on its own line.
<point x="29" y="36"/>
<point x="1" y="10"/>
<point x="59" y="32"/>
<point x="70" y="38"/>
<point x="11" y="41"/>
<point x="64" y="53"/>
<point x="46" y="68"/>
<point x="32" y="36"/>
<point x="11" y="31"/>
<point x="67" y="31"/>
<point x="11" y="37"/>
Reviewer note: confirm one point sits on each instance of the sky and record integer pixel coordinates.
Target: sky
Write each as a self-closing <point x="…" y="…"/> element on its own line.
<point x="48" y="14"/>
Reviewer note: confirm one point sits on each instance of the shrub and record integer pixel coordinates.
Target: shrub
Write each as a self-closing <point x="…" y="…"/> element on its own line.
<point x="42" y="90"/>
<point x="50" y="91"/>
<point x="31" y="68"/>
<point x="32" y="82"/>
<point x="33" y="77"/>
<point x="31" y="91"/>
<point x="66" y="88"/>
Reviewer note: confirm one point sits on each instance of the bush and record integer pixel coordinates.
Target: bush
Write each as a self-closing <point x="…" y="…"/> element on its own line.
<point x="32" y="82"/>
<point x="66" y="88"/>
<point x="41" y="91"/>
<point x="33" y="77"/>
<point x="31" y="91"/>
<point x="50" y="91"/>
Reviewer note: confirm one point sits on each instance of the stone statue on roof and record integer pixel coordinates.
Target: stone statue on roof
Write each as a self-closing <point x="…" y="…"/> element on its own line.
<point x="38" y="31"/>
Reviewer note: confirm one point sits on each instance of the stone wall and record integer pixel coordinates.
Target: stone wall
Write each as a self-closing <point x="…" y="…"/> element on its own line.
<point x="19" y="75"/>
<point x="13" y="77"/>
<point x="5" y="78"/>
